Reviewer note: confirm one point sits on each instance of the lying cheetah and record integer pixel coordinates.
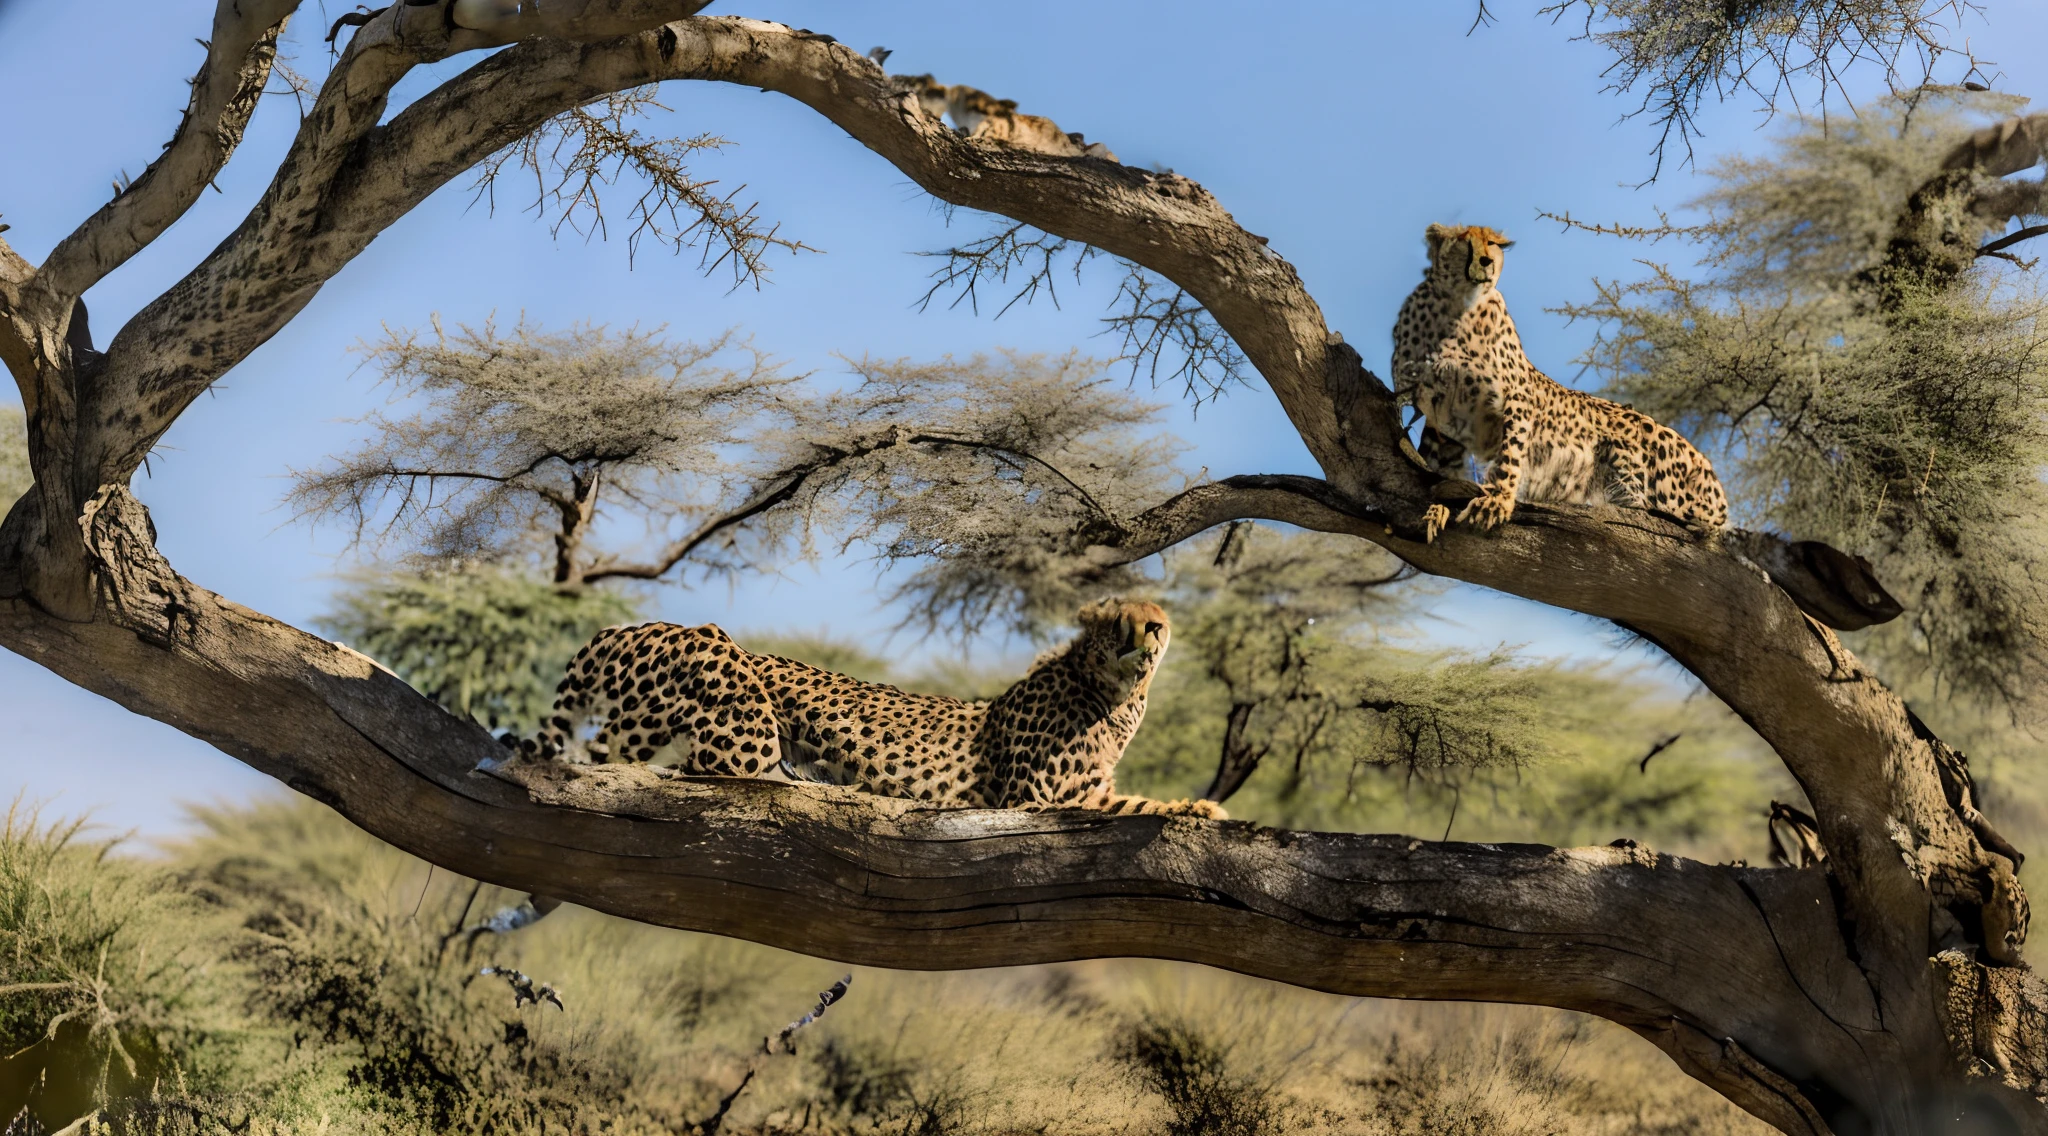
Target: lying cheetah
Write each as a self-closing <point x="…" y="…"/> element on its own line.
<point x="692" y="699"/>
<point x="979" y="114"/>
<point x="1457" y="357"/>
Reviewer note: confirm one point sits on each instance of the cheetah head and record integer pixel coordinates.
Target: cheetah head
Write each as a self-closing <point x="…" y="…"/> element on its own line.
<point x="929" y="94"/>
<point x="1468" y="255"/>
<point x="1123" y="640"/>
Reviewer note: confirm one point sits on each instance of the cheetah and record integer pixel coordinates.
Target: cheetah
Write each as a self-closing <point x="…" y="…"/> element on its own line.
<point x="1458" y="359"/>
<point x="691" y="699"/>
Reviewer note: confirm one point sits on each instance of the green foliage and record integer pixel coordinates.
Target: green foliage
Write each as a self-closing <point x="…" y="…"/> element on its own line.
<point x="15" y="476"/>
<point x="487" y="642"/>
<point x="1847" y="403"/>
<point x="103" y="987"/>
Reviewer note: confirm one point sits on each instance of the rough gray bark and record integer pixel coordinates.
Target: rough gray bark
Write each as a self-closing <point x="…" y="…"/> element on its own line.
<point x="1884" y="994"/>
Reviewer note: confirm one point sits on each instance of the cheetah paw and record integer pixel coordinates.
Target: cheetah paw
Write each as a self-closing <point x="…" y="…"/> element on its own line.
<point x="1207" y="810"/>
<point x="1487" y="510"/>
<point x="1434" y="520"/>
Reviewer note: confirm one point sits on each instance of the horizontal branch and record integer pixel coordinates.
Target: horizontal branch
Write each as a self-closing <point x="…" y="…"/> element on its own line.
<point x="1660" y="944"/>
<point x="783" y="485"/>
<point x="1993" y="248"/>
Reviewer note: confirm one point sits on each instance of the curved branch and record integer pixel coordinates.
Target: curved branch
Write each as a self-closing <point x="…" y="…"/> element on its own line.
<point x="778" y="488"/>
<point x="224" y="96"/>
<point x="344" y="180"/>
<point x="1993" y="248"/>
<point x="1657" y="943"/>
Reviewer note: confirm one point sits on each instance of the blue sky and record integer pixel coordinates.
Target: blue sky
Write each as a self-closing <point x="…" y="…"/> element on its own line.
<point x="1336" y="129"/>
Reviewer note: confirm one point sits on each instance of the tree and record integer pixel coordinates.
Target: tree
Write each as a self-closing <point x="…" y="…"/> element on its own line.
<point x="1860" y="396"/>
<point x="485" y="642"/>
<point x="1876" y="995"/>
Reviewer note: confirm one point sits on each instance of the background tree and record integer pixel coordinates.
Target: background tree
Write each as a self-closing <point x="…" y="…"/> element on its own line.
<point x="486" y="642"/>
<point x="1855" y="397"/>
<point x="1868" y="996"/>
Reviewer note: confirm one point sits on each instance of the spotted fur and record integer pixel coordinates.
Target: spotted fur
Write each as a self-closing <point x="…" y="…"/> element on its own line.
<point x="690" y="698"/>
<point x="1458" y="359"/>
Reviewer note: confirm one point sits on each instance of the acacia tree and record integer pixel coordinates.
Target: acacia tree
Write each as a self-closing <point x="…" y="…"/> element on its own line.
<point x="1881" y="994"/>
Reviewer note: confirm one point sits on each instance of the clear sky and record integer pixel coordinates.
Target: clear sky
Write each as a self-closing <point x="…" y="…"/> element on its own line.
<point x="1337" y="128"/>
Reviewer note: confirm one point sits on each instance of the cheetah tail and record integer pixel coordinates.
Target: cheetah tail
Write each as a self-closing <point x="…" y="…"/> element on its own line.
<point x="1130" y="806"/>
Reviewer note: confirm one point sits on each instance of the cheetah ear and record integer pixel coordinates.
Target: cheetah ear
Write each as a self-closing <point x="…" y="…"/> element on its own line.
<point x="1436" y="234"/>
<point x="1506" y="243"/>
<point x="1007" y="104"/>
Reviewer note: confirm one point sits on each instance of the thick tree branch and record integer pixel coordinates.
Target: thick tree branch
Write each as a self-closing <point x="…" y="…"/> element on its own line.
<point x="344" y="181"/>
<point x="1661" y="944"/>
<point x="1811" y="1005"/>
<point x="224" y="95"/>
<point x="1993" y="248"/>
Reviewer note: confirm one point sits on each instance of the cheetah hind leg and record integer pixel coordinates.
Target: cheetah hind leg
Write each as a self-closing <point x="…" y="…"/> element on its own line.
<point x="715" y="721"/>
<point x="1625" y="475"/>
<point x="551" y="743"/>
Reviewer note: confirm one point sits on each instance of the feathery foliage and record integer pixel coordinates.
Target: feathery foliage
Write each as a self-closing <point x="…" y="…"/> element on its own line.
<point x="998" y="462"/>
<point x="608" y="456"/>
<point x="1904" y="421"/>
<point x="513" y="444"/>
<point x="1677" y="52"/>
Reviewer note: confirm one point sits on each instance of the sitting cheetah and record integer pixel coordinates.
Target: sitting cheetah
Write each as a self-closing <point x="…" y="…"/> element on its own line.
<point x="1457" y="357"/>
<point x="692" y="699"/>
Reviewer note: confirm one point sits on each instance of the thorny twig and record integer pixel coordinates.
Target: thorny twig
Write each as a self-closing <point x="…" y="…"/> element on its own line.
<point x="1678" y="53"/>
<point x="574" y="155"/>
<point x="1152" y="322"/>
<point x="523" y="989"/>
<point x="1652" y="233"/>
<point x="1155" y="318"/>
<point x="826" y="998"/>
<point x="992" y="258"/>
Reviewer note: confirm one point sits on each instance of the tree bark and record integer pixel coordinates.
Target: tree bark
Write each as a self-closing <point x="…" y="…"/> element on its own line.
<point x="1881" y="995"/>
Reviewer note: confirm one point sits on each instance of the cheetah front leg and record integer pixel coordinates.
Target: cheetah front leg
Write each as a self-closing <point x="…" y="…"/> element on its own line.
<point x="1496" y="503"/>
<point x="1446" y="455"/>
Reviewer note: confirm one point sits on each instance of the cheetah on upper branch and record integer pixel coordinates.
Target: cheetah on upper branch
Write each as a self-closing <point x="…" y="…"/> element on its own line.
<point x="1457" y="357"/>
<point x="692" y="699"/>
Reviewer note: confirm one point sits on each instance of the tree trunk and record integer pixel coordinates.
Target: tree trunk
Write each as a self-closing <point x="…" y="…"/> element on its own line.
<point x="1883" y="994"/>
